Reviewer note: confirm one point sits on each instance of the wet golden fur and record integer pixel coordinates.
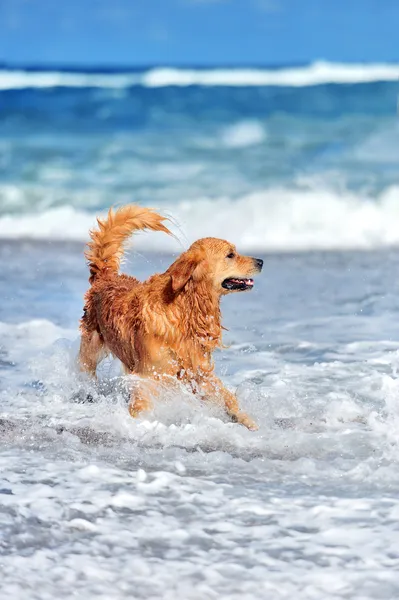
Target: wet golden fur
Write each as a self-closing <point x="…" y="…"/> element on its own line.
<point x="166" y="327"/>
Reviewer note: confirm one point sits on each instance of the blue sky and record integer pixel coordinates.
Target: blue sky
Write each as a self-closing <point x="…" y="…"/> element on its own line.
<point x="201" y="32"/>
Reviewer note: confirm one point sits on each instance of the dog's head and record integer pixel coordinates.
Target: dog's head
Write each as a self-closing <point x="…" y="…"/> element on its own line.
<point x="217" y="263"/>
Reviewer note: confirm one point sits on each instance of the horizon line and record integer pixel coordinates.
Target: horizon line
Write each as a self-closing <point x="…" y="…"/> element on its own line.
<point x="74" y="66"/>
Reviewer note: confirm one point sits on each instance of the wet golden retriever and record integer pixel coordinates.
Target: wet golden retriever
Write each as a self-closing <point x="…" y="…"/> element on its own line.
<point x="167" y="327"/>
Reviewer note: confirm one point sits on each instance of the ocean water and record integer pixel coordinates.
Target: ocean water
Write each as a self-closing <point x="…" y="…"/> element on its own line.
<point x="299" y="165"/>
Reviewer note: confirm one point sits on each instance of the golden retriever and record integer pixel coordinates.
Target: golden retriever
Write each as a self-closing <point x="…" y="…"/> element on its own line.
<point x="168" y="326"/>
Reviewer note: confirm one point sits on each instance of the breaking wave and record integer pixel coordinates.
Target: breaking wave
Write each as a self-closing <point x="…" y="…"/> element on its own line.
<point x="272" y="220"/>
<point x="317" y="73"/>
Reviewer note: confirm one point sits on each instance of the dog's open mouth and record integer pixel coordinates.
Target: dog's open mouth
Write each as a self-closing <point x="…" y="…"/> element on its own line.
<point x="238" y="283"/>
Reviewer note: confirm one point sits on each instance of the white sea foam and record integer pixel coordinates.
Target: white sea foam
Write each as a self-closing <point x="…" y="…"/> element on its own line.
<point x="243" y="134"/>
<point x="38" y="333"/>
<point x="13" y="80"/>
<point x="317" y="73"/>
<point x="272" y="220"/>
<point x="183" y="504"/>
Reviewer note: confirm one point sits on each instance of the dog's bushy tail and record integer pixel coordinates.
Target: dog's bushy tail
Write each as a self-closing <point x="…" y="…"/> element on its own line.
<point x="106" y="249"/>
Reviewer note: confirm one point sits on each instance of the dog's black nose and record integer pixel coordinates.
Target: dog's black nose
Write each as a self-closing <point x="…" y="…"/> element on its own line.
<point x="259" y="263"/>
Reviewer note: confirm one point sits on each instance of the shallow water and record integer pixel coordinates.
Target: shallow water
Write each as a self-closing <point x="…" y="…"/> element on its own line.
<point x="184" y="504"/>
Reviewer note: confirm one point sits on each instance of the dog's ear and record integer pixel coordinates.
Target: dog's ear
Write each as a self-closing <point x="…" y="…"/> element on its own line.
<point x="181" y="273"/>
<point x="184" y="269"/>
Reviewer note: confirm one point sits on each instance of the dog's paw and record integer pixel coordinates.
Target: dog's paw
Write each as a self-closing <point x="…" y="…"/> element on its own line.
<point x="245" y="420"/>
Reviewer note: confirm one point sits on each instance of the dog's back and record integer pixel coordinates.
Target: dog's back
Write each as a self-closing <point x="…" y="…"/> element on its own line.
<point x="110" y="292"/>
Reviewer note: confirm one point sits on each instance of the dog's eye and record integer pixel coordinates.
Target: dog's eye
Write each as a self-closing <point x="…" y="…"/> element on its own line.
<point x="231" y="255"/>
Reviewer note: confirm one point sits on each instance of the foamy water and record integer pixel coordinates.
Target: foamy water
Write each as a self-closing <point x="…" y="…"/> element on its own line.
<point x="182" y="503"/>
<point x="318" y="73"/>
<point x="277" y="219"/>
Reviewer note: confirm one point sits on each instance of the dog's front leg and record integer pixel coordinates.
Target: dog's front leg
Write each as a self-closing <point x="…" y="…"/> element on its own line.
<point x="142" y="396"/>
<point x="211" y="387"/>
